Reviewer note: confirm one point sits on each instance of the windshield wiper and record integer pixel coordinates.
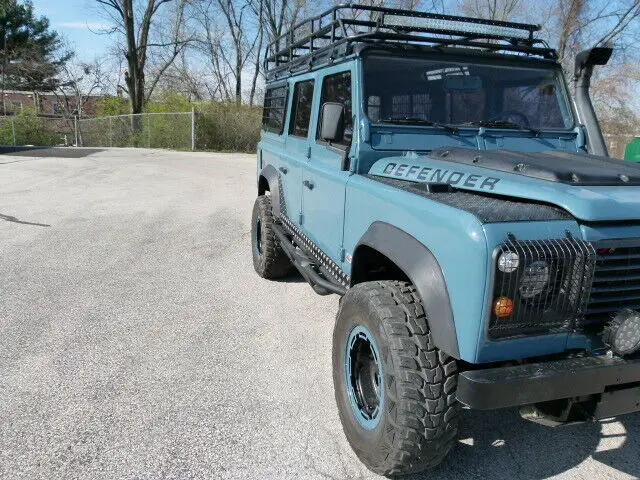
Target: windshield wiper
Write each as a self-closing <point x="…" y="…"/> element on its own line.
<point x="420" y="121"/>
<point x="503" y="124"/>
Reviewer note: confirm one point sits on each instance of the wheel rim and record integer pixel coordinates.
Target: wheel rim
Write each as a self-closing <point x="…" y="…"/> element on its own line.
<point x="364" y="377"/>
<point x="258" y="236"/>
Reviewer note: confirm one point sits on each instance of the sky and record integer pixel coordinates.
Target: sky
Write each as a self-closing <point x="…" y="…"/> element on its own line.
<point x="77" y="20"/>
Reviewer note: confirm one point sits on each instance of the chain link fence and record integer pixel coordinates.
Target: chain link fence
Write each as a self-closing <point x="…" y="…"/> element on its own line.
<point x="147" y="130"/>
<point x="37" y="131"/>
<point x="218" y="130"/>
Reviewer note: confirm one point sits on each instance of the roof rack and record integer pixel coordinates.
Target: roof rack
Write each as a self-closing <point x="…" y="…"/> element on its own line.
<point x="346" y="24"/>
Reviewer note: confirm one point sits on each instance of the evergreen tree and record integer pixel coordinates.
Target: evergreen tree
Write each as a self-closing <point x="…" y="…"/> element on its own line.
<point x="32" y="53"/>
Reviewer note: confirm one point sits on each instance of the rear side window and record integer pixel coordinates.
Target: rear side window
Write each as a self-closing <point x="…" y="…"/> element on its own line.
<point x="301" y="109"/>
<point x="337" y="88"/>
<point x="275" y="106"/>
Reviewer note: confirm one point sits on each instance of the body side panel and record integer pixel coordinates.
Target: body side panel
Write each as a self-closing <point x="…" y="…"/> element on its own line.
<point x="455" y="238"/>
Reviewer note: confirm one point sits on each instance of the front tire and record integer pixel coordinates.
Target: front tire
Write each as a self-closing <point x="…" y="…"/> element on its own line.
<point x="394" y="389"/>
<point x="269" y="260"/>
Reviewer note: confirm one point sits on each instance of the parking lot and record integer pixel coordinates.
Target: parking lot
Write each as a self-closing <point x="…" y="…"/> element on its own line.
<point x="136" y="341"/>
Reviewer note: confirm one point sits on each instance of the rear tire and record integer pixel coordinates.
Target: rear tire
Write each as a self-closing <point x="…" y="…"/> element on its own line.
<point x="269" y="260"/>
<point x="412" y="424"/>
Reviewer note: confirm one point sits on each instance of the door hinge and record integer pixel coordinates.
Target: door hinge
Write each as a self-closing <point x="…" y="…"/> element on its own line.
<point x="300" y="218"/>
<point x="342" y="253"/>
<point x="308" y="152"/>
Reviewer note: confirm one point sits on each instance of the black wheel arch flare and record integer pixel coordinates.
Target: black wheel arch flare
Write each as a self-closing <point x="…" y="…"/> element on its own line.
<point x="272" y="177"/>
<point x="424" y="272"/>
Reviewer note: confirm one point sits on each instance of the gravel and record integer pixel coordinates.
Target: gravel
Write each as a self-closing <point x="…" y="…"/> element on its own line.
<point x="136" y="341"/>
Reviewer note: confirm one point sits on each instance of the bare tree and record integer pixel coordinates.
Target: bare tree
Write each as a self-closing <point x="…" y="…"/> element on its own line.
<point x="134" y="20"/>
<point x="502" y="10"/>
<point x="79" y="81"/>
<point x="227" y="43"/>
<point x="587" y="23"/>
<point x="235" y="14"/>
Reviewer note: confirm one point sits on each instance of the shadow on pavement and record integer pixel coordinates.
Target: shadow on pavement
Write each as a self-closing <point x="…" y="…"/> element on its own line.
<point x="58" y="152"/>
<point x="500" y="445"/>
<point x="292" y="277"/>
<point x="9" y="218"/>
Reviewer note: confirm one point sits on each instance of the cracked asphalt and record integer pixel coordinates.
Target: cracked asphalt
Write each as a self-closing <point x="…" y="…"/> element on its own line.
<point x="136" y="341"/>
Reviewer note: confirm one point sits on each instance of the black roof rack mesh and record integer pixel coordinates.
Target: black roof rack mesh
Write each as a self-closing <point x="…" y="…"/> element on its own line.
<point x="351" y="23"/>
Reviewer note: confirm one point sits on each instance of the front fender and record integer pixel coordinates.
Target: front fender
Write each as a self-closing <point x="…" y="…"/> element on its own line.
<point x="424" y="271"/>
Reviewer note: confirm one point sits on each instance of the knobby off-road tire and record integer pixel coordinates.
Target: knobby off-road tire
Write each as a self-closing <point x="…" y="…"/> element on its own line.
<point x="417" y="420"/>
<point x="269" y="260"/>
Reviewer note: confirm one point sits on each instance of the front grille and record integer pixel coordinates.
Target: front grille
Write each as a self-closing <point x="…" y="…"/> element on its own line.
<point x="616" y="282"/>
<point x="549" y="289"/>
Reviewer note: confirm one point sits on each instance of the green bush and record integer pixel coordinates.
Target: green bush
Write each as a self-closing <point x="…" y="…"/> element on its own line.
<point x="219" y="126"/>
<point x="108" y="106"/>
<point x="29" y="129"/>
<point x="227" y="127"/>
<point x="32" y="130"/>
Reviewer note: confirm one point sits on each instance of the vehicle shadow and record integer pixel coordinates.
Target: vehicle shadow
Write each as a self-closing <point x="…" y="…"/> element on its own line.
<point x="292" y="277"/>
<point x="59" y="152"/>
<point x="9" y="218"/>
<point x="501" y="445"/>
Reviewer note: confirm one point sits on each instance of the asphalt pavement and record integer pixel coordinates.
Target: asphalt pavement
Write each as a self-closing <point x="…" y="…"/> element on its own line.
<point x="136" y="341"/>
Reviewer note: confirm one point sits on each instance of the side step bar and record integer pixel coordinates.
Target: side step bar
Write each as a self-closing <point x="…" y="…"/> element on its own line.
<point x="320" y="284"/>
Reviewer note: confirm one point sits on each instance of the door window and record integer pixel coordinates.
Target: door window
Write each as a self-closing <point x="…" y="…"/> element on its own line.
<point x="301" y="109"/>
<point x="337" y="88"/>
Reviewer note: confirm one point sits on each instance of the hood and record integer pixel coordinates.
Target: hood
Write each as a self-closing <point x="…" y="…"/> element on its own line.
<point x="589" y="187"/>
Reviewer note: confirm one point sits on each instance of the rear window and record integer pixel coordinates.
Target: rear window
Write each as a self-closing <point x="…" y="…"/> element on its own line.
<point x="275" y="106"/>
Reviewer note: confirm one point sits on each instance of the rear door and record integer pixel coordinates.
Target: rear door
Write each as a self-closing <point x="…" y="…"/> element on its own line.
<point x="324" y="176"/>
<point x="296" y="152"/>
<point x="273" y="143"/>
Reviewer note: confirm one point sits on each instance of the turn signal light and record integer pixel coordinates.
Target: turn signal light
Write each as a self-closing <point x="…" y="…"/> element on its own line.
<point x="503" y="307"/>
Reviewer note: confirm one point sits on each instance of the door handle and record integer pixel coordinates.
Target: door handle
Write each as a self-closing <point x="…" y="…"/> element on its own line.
<point x="308" y="184"/>
<point x="284" y="170"/>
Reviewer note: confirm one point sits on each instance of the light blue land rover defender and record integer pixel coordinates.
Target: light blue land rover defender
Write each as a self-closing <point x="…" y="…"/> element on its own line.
<point x="435" y="173"/>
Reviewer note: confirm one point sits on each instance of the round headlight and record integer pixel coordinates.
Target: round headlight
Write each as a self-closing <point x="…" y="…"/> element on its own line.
<point x="508" y="262"/>
<point x="534" y="279"/>
<point x="622" y="334"/>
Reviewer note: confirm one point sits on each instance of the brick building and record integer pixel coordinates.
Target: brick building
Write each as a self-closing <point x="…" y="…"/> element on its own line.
<point x="46" y="104"/>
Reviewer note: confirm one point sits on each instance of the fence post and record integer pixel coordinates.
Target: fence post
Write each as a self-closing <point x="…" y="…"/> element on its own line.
<point x="110" y="132"/>
<point x="13" y="130"/>
<point x="75" y="130"/>
<point x="148" y="130"/>
<point x="193" y="128"/>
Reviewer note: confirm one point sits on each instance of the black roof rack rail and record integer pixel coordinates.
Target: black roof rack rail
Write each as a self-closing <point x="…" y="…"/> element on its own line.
<point x="351" y="23"/>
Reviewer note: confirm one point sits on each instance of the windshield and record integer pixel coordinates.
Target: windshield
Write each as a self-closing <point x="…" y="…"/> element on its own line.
<point x="429" y="92"/>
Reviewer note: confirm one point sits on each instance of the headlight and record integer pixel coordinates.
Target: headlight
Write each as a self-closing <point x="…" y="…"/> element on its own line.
<point x="545" y="283"/>
<point x="622" y="334"/>
<point x="534" y="279"/>
<point x="508" y="262"/>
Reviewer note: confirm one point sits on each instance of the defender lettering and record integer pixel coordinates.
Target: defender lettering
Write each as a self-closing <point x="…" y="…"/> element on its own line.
<point x="439" y="175"/>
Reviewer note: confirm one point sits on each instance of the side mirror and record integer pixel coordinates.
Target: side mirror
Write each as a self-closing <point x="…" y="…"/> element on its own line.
<point x="591" y="57"/>
<point x="332" y="122"/>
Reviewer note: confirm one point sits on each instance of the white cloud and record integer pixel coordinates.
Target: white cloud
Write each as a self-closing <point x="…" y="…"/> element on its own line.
<point x="85" y="25"/>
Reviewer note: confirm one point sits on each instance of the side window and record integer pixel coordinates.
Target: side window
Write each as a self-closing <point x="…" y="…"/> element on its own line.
<point x="275" y="106"/>
<point x="337" y="88"/>
<point x="301" y="109"/>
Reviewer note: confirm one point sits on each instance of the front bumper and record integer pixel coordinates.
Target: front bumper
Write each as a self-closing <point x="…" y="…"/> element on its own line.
<point x="615" y="380"/>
